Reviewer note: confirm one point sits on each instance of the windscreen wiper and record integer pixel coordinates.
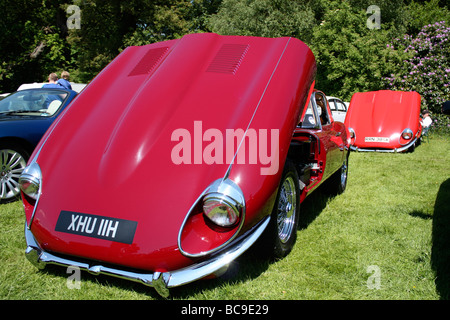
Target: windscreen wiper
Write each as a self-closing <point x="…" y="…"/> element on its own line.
<point x="16" y="112"/>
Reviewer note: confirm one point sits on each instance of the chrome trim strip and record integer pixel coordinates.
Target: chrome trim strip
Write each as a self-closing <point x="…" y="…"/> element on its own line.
<point x="385" y="150"/>
<point x="160" y="281"/>
<point x="202" y="269"/>
<point x="39" y="192"/>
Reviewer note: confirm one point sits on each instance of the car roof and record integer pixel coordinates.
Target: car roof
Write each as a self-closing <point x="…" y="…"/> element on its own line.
<point x="77" y="87"/>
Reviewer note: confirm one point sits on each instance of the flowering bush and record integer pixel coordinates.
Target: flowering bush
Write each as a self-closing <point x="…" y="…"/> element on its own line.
<point x="427" y="68"/>
<point x="441" y="124"/>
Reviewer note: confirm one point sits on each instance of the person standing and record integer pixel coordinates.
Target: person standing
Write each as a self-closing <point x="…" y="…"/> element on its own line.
<point x="52" y="81"/>
<point x="64" y="81"/>
<point x="426" y="119"/>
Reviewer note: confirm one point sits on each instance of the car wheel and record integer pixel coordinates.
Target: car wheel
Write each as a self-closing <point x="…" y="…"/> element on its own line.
<point x="282" y="229"/>
<point x="13" y="160"/>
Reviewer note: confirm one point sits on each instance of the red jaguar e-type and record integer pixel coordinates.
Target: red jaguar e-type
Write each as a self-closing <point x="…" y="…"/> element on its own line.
<point x="178" y="156"/>
<point x="384" y="121"/>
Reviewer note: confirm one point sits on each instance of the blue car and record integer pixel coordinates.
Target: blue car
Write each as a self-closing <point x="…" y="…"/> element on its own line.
<point x="24" y="118"/>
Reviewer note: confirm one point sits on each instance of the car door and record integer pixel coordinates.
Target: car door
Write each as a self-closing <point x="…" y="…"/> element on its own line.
<point x="329" y="137"/>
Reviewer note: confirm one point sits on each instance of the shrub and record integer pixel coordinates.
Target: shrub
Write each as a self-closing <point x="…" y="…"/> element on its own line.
<point x="427" y="69"/>
<point x="441" y="124"/>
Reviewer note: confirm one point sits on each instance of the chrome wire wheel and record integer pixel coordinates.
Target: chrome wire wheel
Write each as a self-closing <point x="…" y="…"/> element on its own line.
<point x="12" y="164"/>
<point x="281" y="233"/>
<point x="287" y="206"/>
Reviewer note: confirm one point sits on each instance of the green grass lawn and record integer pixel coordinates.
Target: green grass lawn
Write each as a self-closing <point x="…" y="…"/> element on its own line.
<point x="386" y="237"/>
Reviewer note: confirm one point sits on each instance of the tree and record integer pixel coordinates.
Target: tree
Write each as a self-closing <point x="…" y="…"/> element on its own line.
<point x="351" y="57"/>
<point x="422" y="13"/>
<point x="107" y="27"/>
<point x="427" y="68"/>
<point x="264" y="18"/>
<point x="32" y="41"/>
<point x="100" y="36"/>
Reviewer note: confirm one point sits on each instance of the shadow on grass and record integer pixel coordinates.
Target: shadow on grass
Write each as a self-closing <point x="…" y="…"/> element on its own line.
<point x="440" y="250"/>
<point x="312" y="206"/>
<point x="248" y="266"/>
<point x="421" y="215"/>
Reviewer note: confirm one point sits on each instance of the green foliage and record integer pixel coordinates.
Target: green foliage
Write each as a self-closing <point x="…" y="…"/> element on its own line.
<point x="427" y="69"/>
<point x="351" y="57"/>
<point x="35" y="39"/>
<point x="422" y="13"/>
<point x="264" y="18"/>
<point x="441" y="124"/>
<point x="110" y="26"/>
<point x="32" y="41"/>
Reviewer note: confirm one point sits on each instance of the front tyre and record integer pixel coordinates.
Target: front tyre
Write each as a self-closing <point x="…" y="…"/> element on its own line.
<point x="282" y="229"/>
<point x="13" y="159"/>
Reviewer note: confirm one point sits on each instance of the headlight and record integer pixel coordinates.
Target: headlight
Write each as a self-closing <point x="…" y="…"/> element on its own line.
<point x="30" y="180"/>
<point x="223" y="203"/>
<point x="221" y="211"/>
<point x="352" y="133"/>
<point x="407" y="134"/>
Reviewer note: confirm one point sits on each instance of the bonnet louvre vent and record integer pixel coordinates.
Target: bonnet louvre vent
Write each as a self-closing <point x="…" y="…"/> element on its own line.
<point x="228" y="59"/>
<point x="148" y="61"/>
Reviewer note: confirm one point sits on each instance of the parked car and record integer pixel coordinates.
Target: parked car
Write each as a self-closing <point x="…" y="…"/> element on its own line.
<point x="24" y="118"/>
<point x="338" y="108"/>
<point x="384" y="121"/>
<point x="179" y="156"/>
<point x="77" y="87"/>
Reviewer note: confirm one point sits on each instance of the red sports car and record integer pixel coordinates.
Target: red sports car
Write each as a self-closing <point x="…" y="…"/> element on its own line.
<point x="384" y="121"/>
<point x="178" y="156"/>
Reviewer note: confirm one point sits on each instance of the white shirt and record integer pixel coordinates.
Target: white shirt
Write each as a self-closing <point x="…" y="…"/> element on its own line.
<point x="426" y="122"/>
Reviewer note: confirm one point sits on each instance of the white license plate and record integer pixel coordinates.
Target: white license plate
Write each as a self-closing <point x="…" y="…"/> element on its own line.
<point x="376" y="139"/>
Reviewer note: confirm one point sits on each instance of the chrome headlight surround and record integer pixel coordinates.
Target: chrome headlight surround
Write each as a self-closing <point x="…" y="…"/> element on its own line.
<point x="30" y="181"/>
<point x="406" y="137"/>
<point x="352" y="133"/>
<point x="223" y="203"/>
<point x="407" y="134"/>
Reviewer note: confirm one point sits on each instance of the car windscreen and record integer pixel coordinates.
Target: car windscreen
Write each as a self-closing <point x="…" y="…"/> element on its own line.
<point x="309" y="120"/>
<point x="42" y="102"/>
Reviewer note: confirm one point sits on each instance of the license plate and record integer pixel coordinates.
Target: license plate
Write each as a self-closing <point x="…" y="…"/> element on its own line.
<point x="89" y="225"/>
<point x="376" y="139"/>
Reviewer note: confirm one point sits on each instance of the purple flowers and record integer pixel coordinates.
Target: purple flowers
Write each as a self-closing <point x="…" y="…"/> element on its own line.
<point x="426" y="68"/>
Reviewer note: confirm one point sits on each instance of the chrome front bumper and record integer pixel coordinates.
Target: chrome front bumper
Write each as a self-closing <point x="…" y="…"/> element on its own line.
<point x="160" y="281"/>
<point x="401" y="149"/>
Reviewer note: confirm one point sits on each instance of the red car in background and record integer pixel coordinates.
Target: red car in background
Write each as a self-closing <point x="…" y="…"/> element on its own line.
<point x="178" y="156"/>
<point x="384" y="121"/>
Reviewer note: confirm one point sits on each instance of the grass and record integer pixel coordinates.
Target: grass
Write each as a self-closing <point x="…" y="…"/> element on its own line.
<point x="386" y="237"/>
